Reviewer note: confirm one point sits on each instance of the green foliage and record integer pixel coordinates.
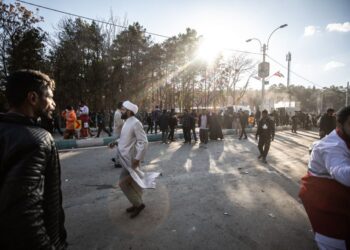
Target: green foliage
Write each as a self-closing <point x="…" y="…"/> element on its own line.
<point x="21" y="43"/>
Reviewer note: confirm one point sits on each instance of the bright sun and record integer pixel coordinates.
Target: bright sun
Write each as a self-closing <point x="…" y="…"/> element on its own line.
<point x="209" y="49"/>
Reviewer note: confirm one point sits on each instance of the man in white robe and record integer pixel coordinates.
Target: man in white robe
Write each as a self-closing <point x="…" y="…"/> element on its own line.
<point x="131" y="149"/>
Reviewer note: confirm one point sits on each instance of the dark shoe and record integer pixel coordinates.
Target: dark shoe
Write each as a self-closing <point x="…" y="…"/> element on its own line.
<point x="131" y="209"/>
<point x="137" y="211"/>
<point x="260" y="156"/>
<point x="239" y="138"/>
<point x="264" y="160"/>
<point x="117" y="165"/>
<point x="113" y="159"/>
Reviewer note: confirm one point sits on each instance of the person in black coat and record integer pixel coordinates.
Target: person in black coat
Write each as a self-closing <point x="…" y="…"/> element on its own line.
<point x="172" y="125"/>
<point x="243" y="118"/>
<point x="164" y="126"/>
<point x="193" y="125"/>
<point x="101" y="123"/>
<point x="215" y="131"/>
<point x="31" y="213"/>
<point x="149" y="123"/>
<point x="186" y="126"/>
<point x="266" y="134"/>
<point x="327" y="123"/>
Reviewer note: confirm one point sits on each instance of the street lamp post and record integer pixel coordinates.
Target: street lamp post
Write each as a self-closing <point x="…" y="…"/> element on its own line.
<point x="264" y="47"/>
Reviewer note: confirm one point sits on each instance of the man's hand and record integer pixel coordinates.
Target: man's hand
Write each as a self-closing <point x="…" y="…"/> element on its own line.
<point x="111" y="145"/>
<point x="135" y="164"/>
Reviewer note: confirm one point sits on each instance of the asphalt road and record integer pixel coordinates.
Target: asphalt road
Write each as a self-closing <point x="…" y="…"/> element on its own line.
<point x="217" y="196"/>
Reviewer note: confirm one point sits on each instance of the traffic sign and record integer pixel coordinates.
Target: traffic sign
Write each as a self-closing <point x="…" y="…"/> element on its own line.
<point x="264" y="69"/>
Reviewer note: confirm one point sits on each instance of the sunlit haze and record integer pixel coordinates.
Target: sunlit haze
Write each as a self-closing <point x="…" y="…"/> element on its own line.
<point x="318" y="32"/>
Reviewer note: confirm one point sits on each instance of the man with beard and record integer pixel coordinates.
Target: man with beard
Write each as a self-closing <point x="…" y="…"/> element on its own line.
<point x="31" y="213"/>
<point x="325" y="190"/>
<point x="266" y="134"/>
<point x="131" y="149"/>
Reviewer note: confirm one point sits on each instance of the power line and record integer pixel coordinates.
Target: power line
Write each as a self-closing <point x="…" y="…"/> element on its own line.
<point x="116" y="25"/>
<point x="242" y="51"/>
<point x="87" y="18"/>
<point x="296" y="74"/>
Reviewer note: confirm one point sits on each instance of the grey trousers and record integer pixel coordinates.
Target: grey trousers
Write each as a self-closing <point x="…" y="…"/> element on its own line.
<point x="130" y="188"/>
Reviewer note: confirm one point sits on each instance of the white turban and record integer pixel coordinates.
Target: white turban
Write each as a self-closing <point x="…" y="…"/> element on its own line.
<point x="130" y="106"/>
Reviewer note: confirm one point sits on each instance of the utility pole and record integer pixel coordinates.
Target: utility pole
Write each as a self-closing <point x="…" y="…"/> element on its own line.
<point x="347" y="94"/>
<point x="263" y="79"/>
<point x="288" y="58"/>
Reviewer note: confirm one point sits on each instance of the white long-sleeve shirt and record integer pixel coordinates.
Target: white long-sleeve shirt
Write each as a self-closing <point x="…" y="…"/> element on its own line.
<point x="132" y="145"/>
<point x="330" y="158"/>
<point x="84" y="110"/>
<point x="133" y="139"/>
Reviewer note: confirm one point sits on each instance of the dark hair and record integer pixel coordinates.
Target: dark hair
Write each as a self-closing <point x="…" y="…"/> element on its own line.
<point x="69" y="107"/>
<point x="120" y="105"/>
<point x="21" y="82"/>
<point x="264" y="111"/>
<point x="330" y="110"/>
<point x="343" y="114"/>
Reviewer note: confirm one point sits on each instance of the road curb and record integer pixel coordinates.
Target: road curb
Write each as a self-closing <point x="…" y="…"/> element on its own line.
<point x="95" y="142"/>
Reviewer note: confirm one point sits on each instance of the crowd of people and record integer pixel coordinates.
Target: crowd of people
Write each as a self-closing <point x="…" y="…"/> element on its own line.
<point x="31" y="212"/>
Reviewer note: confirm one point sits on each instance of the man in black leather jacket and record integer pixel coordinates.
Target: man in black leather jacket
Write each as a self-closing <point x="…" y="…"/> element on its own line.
<point x="31" y="213"/>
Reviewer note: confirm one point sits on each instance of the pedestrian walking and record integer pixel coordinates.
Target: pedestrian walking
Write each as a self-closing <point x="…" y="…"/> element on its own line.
<point x="172" y="125"/>
<point x="203" y="127"/>
<point x="31" y="212"/>
<point x="131" y="148"/>
<point x="266" y="134"/>
<point x="243" y="119"/>
<point x="327" y="123"/>
<point x="294" y="123"/>
<point x="215" y="131"/>
<point x="117" y="128"/>
<point x="186" y="126"/>
<point x="149" y="123"/>
<point x="155" y="118"/>
<point x="101" y="124"/>
<point x="164" y="126"/>
<point x="71" y="118"/>
<point x="193" y="125"/>
<point x="85" y="119"/>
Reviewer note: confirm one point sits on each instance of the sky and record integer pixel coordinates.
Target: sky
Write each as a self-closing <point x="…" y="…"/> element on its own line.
<point x="317" y="35"/>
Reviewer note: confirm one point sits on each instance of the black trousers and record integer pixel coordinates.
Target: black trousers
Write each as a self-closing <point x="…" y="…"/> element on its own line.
<point x="243" y="133"/>
<point x="194" y="133"/>
<point x="100" y="128"/>
<point x="203" y="135"/>
<point x="171" y="134"/>
<point x="187" y="134"/>
<point x="150" y="127"/>
<point x="264" y="146"/>
<point x="156" y="124"/>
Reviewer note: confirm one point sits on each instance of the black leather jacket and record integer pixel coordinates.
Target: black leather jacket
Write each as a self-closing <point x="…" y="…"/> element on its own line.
<point x="31" y="213"/>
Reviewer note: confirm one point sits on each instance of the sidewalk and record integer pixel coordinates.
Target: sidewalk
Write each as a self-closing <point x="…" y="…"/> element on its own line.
<point x="104" y="141"/>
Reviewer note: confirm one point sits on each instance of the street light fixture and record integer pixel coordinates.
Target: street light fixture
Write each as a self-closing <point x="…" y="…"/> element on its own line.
<point x="264" y="47"/>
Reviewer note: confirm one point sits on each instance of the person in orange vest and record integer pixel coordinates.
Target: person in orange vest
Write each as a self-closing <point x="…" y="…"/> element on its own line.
<point x="70" y="117"/>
